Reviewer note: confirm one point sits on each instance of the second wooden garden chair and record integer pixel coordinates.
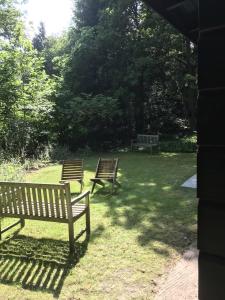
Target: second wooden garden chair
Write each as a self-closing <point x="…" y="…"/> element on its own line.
<point x="106" y="171"/>
<point x="73" y="170"/>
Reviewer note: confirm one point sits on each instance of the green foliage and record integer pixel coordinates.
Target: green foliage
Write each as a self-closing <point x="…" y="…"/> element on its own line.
<point x="12" y="170"/>
<point x="87" y="119"/>
<point x="120" y="70"/>
<point x="187" y="144"/>
<point x="40" y="38"/>
<point x="59" y="153"/>
<point x="122" y="50"/>
<point x="87" y="12"/>
<point x="55" y="55"/>
<point x="25" y="106"/>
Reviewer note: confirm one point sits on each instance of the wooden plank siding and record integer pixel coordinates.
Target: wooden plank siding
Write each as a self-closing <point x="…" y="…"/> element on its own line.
<point x="211" y="150"/>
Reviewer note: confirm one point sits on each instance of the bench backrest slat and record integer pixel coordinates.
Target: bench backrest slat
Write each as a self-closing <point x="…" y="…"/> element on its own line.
<point x="34" y="196"/>
<point x="29" y="199"/>
<point x="147" y="139"/>
<point x="46" y="201"/>
<point x="58" y="208"/>
<point x="63" y="202"/>
<point x="34" y="200"/>
<point x="9" y="191"/>
<point x="40" y="207"/>
<point x="51" y="202"/>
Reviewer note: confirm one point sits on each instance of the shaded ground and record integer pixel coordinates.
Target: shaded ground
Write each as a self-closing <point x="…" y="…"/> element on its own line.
<point x="136" y="232"/>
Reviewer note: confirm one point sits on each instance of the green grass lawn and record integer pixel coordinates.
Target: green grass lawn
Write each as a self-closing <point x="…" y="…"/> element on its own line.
<point x="136" y="233"/>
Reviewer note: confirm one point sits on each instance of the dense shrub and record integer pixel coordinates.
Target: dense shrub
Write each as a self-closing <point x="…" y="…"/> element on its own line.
<point x="186" y="144"/>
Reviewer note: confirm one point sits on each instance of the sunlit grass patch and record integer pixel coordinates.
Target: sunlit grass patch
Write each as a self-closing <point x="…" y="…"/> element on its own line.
<point x="135" y="233"/>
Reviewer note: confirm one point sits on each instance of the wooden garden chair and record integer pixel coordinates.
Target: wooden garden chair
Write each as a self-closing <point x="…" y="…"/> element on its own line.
<point x="73" y="170"/>
<point x="106" y="171"/>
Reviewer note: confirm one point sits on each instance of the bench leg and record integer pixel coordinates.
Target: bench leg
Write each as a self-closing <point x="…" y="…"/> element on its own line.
<point x="22" y="222"/>
<point x="71" y="237"/>
<point x="81" y="186"/>
<point x="9" y="227"/>
<point x="88" y="223"/>
<point x="117" y="183"/>
<point x="98" y="181"/>
<point x="93" y="187"/>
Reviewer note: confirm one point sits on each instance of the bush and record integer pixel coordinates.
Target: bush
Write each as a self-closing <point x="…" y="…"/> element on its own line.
<point x="58" y="153"/>
<point x="12" y="170"/>
<point x="186" y="144"/>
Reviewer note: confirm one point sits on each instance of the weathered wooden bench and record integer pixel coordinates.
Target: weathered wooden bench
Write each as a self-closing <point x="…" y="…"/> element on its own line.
<point x="73" y="170"/>
<point x="146" y="141"/>
<point x="44" y="202"/>
<point x="106" y="170"/>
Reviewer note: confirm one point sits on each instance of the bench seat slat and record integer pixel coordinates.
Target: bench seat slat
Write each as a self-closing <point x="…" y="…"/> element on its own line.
<point x="77" y="209"/>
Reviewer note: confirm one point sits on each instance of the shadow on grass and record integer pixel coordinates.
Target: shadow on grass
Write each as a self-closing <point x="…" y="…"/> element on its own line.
<point x="152" y="202"/>
<point x="37" y="264"/>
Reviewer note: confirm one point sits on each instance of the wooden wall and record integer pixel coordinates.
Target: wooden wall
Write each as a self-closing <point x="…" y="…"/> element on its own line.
<point x="211" y="153"/>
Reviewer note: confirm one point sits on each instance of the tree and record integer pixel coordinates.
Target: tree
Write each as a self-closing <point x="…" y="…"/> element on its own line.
<point x="116" y="51"/>
<point x="25" y="88"/>
<point x="87" y="12"/>
<point x="40" y="38"/>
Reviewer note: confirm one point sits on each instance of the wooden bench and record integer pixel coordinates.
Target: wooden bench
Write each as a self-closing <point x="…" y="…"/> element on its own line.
<point x="106" y="170"/>
<point x="146" y="141"/>
<point x="73" y="170"/>
<point x="44" y="202"/>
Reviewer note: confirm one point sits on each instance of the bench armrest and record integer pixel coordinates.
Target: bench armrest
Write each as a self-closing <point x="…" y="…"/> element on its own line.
<point x="80" y="197"/>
